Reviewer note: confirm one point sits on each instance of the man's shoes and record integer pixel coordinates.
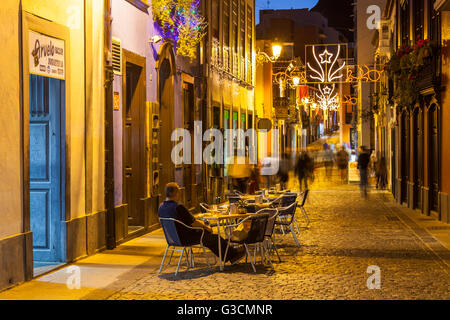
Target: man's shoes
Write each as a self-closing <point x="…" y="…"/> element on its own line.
<point x="240" y="253"/>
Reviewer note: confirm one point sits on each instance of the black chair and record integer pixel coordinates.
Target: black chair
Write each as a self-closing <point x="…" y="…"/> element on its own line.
<point x="255" y="235"/>
<point x="270" y="228"/>
<point x="288" y="199"/>
<point x="169" y="226"/>
<point x="204" y="208"/>
<point x="234" y="199"/>
<point x="302" y="207"/>
<point x="286" y="219"/>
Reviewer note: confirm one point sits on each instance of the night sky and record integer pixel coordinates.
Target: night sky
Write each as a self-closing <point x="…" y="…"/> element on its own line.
<point x="283" y="4"/>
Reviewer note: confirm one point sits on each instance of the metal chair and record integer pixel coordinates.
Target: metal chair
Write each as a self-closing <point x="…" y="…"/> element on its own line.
<point x="287" y="216"/>
<point x="204" y="208"/>
<point x="302" y="207"/>
<point x="234" y="199"/>
<point x="173" y="240"/>
<point x="270" y="228"/>
<point x="256" y="235"/>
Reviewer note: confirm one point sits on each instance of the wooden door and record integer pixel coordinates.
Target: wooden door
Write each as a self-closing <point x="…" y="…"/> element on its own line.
<point x="46" y="178"/>
<point x="434" y="152"/>
<point x="405" y="146"/>
<point x="166" y="112"/>
<point x="133" y="147"/>
<point x="418" y="158"/>
<point x="188" y="112"/>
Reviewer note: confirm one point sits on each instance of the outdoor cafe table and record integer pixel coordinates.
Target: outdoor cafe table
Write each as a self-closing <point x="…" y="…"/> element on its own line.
<point x="221" y="219"/>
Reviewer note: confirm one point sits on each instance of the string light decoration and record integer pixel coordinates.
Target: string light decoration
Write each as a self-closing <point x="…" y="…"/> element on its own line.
<point x="327" y="72"/>
<point x="353" y="101"/>
<point x="180" y="21"/>
<point x="327" y="98"/>
<point x="365" y="74"/>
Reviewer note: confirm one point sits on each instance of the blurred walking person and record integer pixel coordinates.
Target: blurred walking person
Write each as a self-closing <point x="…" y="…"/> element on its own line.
<point x="254" y="180"/>
<point x="328" y="160"/>
<point x="304" y="169"/>
<point x="381" y="173"/>
<point x="363" y="165"/>
<point x="283" y="172"/>
<point x="342" y="163"/>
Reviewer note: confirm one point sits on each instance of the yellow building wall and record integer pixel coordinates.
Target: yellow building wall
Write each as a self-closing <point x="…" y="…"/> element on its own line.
<point x="10" y="120"/>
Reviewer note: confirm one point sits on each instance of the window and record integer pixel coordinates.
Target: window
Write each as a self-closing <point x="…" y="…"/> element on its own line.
<point x="404" y="23"/>
<point x="226" y="23"/>
<point x="434" y="25"/>
<point x="418" y="19"/>
<point x="215" y="18"/>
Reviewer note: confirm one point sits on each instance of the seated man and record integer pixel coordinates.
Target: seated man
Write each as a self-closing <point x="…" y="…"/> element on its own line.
<point x="171" y="209"/>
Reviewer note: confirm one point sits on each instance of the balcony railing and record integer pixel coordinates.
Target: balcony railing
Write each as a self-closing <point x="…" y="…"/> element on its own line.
<point x="235" y="64"/>
<point x="429" y="74"/>
<point x="226" y="59"/>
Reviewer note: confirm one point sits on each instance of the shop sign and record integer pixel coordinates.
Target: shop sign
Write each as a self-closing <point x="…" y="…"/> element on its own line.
<point x="46" y="56"/>
<point x="353" y="172"/>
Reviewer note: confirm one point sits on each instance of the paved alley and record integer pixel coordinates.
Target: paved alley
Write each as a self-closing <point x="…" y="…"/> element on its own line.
<point x="347" y="234"/>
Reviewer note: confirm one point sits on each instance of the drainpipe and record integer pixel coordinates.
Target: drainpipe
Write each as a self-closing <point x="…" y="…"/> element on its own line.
<point x="109" y="132"/>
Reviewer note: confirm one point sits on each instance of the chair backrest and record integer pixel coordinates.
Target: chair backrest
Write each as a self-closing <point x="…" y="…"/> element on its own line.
<point x="204" y="208"/>
<point x="288" y="199"/>
<point x="273" y="214"/>
<point x="170" y="231"/>
<point x="234" y="199"/>
<point x="305" y="197"/>
<point x="257" y="228"/>
<point x="288" y="211"/>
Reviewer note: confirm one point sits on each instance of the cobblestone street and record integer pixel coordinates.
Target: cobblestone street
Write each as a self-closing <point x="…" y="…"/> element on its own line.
<point x="347" y="235"/>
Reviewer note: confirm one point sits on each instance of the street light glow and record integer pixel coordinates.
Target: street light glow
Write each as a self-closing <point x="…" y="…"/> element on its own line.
<point x="276" y="50"/>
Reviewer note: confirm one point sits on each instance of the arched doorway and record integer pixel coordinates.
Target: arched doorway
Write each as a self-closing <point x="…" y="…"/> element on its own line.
<point x="166" y="98"/>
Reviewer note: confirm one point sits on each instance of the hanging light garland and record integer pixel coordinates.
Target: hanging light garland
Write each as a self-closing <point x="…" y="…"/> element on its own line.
<point x="181" y="21"/>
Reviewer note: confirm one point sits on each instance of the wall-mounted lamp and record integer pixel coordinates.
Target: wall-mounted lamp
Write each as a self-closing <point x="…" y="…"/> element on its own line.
<point x="296" y="81"/>
<point x="262" y="57"/>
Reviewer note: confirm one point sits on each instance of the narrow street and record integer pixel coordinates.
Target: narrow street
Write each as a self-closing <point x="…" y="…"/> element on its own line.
<point x="347" y="234"/>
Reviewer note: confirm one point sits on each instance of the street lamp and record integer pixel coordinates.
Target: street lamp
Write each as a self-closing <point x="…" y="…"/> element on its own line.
<point x="296" y="81"/>
<point x="262" y="57"/>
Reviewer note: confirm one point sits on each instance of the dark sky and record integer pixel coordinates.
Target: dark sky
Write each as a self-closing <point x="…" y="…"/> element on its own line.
<point x="283" y="4"/>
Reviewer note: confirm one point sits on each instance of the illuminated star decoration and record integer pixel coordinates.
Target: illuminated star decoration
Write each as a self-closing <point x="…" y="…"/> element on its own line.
<point x="327" y="90"/>
<point x="327" y="56"/>
<point x="327" y="73"/>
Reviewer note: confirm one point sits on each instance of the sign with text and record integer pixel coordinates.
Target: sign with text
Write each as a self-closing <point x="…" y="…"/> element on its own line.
<point x="46" y="55"/>
<point x="353" y="172"/>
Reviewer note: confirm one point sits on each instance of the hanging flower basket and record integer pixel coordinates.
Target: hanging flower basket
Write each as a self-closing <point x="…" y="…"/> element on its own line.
<point x="404" y="68"/>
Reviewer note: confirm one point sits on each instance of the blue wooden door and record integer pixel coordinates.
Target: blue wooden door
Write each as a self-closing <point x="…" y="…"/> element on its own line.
<point x="46" y="201"/>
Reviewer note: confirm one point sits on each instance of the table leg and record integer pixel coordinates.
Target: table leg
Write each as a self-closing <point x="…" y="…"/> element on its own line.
<point x="221" y="263"/>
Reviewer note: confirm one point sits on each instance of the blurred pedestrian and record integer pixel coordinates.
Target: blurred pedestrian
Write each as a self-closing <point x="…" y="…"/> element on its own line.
<point x="254" y="180"/>
<point x="328" y="160"/>
<point x="239" y="170"/>
<point x="304" y="169"/>
<point x="381" y="173"/>
<point x="342" y="163"/>
<point x="283" y="172"/>
<point x="363" y="165"/>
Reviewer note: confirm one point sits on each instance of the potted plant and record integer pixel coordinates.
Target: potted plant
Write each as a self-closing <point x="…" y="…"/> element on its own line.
<point x="242" y="206"/>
